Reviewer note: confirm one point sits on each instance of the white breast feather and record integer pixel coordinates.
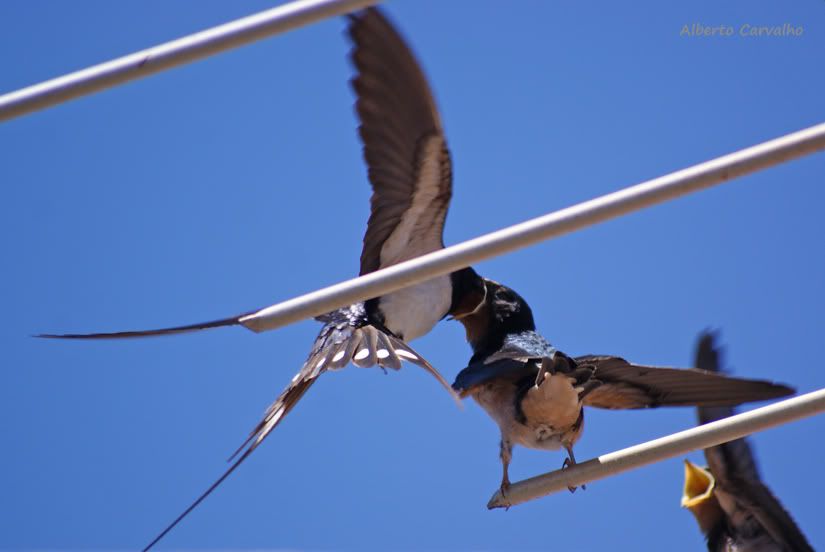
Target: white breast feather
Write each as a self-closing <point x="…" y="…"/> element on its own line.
<point x="413" y="311"/>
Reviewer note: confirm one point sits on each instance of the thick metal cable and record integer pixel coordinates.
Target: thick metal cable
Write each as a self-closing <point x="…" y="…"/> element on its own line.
<point x="676" y="444"/>
<point x="171" y="54"/>
<point x="582" y="215"/>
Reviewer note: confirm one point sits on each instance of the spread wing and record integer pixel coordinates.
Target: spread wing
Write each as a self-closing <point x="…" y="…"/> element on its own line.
<point x="189" y="328"/>
<point x="734" y="468"/>
<point x="612" y="382"/>
<point x="405" y="151"/>
<point x="628" y="386"/>
<point x="404" y="146"/>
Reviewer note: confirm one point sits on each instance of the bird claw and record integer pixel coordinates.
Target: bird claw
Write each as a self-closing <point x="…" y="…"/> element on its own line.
<point x="505" y="486"/>
<point x="566" y="464"/>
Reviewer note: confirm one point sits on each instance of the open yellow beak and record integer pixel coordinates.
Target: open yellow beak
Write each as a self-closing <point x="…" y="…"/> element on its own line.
<point x="698" y="496"/>
<point x="699" y="485"/>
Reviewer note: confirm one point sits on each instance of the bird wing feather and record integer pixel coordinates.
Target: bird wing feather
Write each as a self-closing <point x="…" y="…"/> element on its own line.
<point x="629" y="386"/>
<point x="405" y="150"/>
<point x="734" y="467"/>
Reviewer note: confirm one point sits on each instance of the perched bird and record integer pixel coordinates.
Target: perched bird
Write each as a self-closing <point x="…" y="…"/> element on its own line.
<point x="734" y="509"/>
<point x="410" y="171"/>
<point x="536" y="393"/>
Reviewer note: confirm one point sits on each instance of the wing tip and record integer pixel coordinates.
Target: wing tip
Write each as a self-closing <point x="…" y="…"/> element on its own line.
<point x="73" y="336"/>
<point x="763" y="390"/>
<point x="779" y="390"/>
<point x="130" y="334"/>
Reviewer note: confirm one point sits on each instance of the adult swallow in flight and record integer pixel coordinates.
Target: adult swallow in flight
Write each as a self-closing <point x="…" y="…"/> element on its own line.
<point x="410" y="171"/>
<point x="535" y="393"/>
<point x="734" y="509"/>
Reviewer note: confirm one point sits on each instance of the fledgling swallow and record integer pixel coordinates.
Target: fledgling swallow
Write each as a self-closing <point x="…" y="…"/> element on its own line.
<point x="409" y="168"/>
<point x="536" y="393"/>
<point x="735" y="510"/>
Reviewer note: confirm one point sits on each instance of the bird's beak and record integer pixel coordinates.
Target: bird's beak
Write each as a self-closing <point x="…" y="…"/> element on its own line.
<point x="699" y="485"/>
<point x="698" y="496"/>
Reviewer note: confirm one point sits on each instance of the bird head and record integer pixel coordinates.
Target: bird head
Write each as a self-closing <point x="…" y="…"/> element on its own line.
<point x="698" y="496"/>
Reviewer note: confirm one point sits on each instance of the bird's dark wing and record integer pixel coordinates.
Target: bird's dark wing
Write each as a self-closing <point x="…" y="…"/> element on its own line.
<point x="708" y="358"/>
<point x="232" y="321"/>
<point x="734" y="467"/>
<point x="404" y="146"/>
<point x="755" y="502"/>
<point x="341" y="340"/>
<point x="479" y="373"/>
<point x="406" y="154"/>
<point x="405" y="151"/>
<point x="628" y="386"/>
<point x="734" y="457"/>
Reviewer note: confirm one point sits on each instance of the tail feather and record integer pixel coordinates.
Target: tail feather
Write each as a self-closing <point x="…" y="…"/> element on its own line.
<point x="336" y="345"/>
<point x="342" y="358"/>
<point x="387" y="357"/>
<point x="405" y="352"/>
<point x="368" y="346"/>
<point x="275" y="413"/>
<point x="195" y="504"/>
<point x="366" y="354"/>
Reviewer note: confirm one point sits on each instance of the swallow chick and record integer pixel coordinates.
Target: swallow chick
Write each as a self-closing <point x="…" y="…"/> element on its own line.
<point x="733" y="507"/>
<point x="410" y="171"/>
<point x="536" y="393"/>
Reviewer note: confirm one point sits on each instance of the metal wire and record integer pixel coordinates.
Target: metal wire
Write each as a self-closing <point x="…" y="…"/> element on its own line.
<point x="676" y="444"/>
<point x="171" y="54"/>
<point x="555" y="224"/>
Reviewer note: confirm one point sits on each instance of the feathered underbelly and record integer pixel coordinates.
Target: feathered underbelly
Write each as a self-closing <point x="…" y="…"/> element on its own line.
<point x="551" y="413"/>
<point x="412" y="312"/>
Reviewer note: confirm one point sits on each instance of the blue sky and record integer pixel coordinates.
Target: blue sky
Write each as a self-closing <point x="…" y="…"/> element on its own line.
<point x="237" y="182"/>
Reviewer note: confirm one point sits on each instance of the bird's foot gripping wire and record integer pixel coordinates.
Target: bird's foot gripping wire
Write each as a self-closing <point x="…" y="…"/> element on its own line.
<point x="504" y="489"/>
<point x="568" y="462"/>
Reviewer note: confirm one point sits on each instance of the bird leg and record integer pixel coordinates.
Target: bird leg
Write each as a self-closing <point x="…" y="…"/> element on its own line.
<point x="506" y="454"/>
<point x="571" y="461"/>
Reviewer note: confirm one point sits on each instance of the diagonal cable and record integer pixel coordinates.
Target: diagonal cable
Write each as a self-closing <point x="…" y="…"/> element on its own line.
<point x="171" y="54"/>
<point x="676" y="444"/>
<point x="558" y="223"/>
